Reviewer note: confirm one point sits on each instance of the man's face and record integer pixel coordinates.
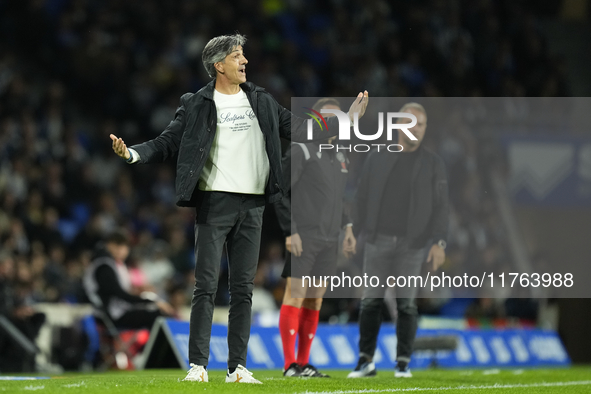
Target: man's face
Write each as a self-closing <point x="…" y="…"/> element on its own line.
<point x="330" y="106"/>
<point x="119" y="252"/>
<point x="234" y="66"/>
<point x="418" y="130"/>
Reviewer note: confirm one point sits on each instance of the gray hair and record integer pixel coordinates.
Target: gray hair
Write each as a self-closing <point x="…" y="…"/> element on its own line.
<point x="217" y="49"/>
<point x="412" y="105"/>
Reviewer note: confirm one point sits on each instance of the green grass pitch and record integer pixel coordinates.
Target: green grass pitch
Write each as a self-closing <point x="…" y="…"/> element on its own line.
<point x="518" y="381"/>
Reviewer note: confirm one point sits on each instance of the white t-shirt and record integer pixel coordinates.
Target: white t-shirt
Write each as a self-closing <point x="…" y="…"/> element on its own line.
<point x="238" y="159"/>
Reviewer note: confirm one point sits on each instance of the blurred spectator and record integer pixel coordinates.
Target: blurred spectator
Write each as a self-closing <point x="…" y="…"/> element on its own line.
<point x="108" y="286"/>
<point x="14" y="306"/>
<point x="157" y="267"/>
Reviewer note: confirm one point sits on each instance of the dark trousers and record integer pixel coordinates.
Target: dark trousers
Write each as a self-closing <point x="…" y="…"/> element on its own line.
<point x="137" y="319"/>
<point x="387" y="256"/>
<point x="233" y="220"/>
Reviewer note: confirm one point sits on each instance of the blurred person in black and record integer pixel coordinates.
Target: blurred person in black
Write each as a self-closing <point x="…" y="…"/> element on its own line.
<point x="227" y="136"/>
<point x="402" y="205"/>
<point x="108" y="286"/>
<point x="311" y="217"/>
<point x="21" y="315"/>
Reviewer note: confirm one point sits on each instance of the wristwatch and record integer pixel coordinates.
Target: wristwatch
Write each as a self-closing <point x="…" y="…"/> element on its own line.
<point x="130" y="157"/>
<point x="442" y="244"/>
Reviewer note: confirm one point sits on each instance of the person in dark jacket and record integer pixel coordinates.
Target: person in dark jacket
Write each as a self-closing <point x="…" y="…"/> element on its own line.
<point x="311" y="217"/>
<point x="108" y="287"/>
<point x="402" y="205"/>
<point x="227" y="136"/>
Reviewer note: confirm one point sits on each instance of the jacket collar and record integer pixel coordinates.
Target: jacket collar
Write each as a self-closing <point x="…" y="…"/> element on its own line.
<point x="207" y="90"/>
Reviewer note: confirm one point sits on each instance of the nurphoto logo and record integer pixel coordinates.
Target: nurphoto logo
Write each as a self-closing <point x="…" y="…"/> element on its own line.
<point x="345" y="129"/>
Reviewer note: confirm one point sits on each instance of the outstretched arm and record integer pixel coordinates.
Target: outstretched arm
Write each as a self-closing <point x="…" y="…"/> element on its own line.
<point x="297" y="131"/>
<point x="161" y="148"/>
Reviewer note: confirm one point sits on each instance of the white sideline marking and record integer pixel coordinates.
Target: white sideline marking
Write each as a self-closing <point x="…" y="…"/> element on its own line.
<point x="446" y="388"/>
<point x="34" y="387"/>
<point x="491" y="371"/>
<point x="75" y="385"/>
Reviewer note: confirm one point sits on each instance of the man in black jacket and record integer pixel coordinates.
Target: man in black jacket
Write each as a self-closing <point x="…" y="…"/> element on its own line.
<point x="227" y="136"/>
<point x="311" y="217"/>
<point x="108" y="286"/>
<point x="402" y="205"/>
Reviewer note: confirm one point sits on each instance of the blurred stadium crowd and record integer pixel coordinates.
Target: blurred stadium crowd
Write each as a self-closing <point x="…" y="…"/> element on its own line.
<point x="74" y="71"/>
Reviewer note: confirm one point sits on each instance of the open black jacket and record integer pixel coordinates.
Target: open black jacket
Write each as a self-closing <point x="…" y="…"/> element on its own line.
<point x="428" y="214"/>
<point x="192" y="132"/>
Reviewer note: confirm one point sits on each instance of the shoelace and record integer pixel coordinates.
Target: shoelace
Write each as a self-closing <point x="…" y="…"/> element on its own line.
<point x="192" y="371"/>
<point x="244" y="370"/>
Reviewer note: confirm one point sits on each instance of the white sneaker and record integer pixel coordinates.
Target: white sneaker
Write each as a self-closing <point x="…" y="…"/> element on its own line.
<point x="196" y="374"/>
<point x="363" y="369"/>
<point x="241" y="375"/>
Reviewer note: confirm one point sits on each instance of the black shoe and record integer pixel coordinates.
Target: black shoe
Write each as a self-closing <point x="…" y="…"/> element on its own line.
<point x="402" y="370"/>
<point x="294" y="370"/>
<point x="311" y="371"/>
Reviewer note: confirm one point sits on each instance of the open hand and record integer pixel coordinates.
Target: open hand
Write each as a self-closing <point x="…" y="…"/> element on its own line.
<point x="120" y="148"/>
<point x="359" y="105"/>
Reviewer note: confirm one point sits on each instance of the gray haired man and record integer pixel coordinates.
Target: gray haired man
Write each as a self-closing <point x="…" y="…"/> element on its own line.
<point x="227" y="136"/>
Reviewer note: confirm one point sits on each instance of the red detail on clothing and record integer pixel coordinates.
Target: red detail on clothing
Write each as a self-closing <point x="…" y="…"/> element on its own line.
<point x="289" y="317"/>
<point x="307" y="332"/>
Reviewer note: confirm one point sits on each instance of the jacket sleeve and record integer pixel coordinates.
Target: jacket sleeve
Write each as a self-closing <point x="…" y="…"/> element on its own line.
<point x="361" y="197"/>
<point x="345" y="219"/>
<point x="109" y="286"/>
<point x="293" y="165"/>
<point x="440" y="218"/>
<point x="295" y="129"/>
<point x="167" y="144"/>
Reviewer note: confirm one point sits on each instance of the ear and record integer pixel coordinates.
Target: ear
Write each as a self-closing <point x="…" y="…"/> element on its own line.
<point x="219" y="67"/>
